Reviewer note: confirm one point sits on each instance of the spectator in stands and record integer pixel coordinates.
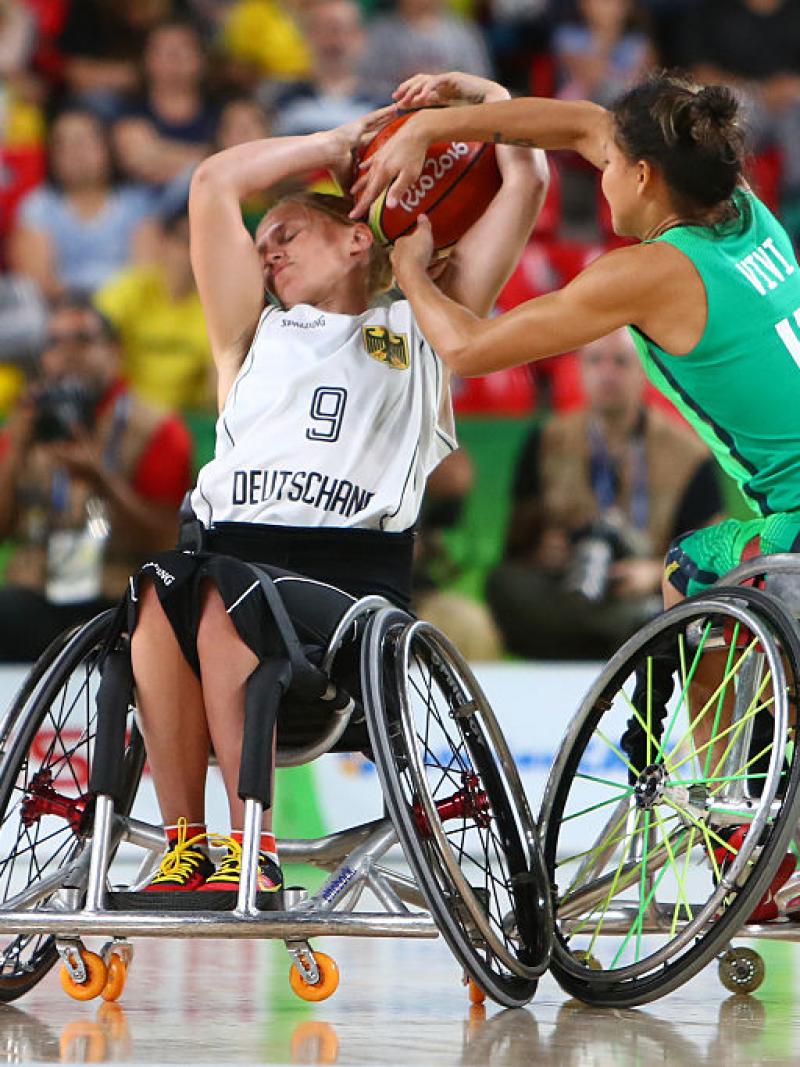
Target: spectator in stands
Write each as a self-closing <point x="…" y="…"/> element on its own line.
<point x="75" y="231"/>
<point x="755" y="44"/>
<point x="17" y="37"/>
<point x="90" y="482"/>
<point x="156" y="310"/>
<point x="171" y="125"/>
<point x="598" y="496"/>
<point x="333" y="94"/>
<point x="420" y="35"/>
<point x="519" y="33"/>
<point x="102" y="43"/>
<point x="262" y="40"/>
<point x="601" y="50"/>
<point x="243" y="119"/>
<point x="466" y="622"/>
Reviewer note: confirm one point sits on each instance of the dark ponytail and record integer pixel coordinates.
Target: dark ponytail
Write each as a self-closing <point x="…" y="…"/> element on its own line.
<point x="692" y="133"/>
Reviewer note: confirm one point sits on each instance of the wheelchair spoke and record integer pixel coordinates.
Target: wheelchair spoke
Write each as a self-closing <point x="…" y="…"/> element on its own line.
<point x="686" y="681"/>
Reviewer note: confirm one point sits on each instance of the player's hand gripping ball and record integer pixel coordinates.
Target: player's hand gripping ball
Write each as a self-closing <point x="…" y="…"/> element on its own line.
<point x="459" y="180"/>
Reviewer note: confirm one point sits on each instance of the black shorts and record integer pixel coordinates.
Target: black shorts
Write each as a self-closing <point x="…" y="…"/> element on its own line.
<point x="179" y="578"/>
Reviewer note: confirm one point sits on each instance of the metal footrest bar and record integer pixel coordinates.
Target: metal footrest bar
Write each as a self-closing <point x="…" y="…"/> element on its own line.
<point x="280" y="925"/>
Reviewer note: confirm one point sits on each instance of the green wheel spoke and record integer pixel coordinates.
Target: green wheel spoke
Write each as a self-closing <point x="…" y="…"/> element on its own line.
<point x="637" y="924"/>
<point x="681" y="878"/>
<point x="724" y="778"/>
<point x="707" y="833"/>
<point x="721" y="699"/>
<point x="643" y="880"/>
<point x="687" y="681"/>
<point x="617" y="752"/>
<point x="649" y="727"/>
<point x="613" y="888"/>
<point x="594" y="807"/>
<point x="605" y="843"/>
<point x="623" y="788"/>
<point x="688" y="735"/>
<point x="712" y="740"/>
<point x="752" y="760"/>
<point x="751" y="710"/>
<point x="645" y="725"/>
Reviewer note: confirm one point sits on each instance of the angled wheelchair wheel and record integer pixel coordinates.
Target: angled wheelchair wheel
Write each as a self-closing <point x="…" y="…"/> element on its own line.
<point x="674" y="797"/>
<point x="46" y="813"/>
<point x="454" y="795"/>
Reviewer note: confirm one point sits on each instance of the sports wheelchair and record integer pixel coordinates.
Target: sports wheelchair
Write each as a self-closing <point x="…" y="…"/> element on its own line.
<point x="676" y="794"/>
<point x="71" y="760"/>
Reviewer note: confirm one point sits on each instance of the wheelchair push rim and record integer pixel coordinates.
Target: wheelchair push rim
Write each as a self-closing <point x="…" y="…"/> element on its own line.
<point x="457" y="802"/>
<point x="656" y="834"/>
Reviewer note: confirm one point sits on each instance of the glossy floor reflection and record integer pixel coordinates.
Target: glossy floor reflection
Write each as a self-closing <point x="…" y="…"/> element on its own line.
<point x="206" y="1002"/>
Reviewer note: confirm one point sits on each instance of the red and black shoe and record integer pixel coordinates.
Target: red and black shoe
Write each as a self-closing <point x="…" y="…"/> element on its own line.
<point x="227" y="875"/>
<point x="184" y="867"/>
<point x="767" y="908"/>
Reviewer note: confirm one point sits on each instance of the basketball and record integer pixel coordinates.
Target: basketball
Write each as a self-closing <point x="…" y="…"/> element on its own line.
<point x="459" y="179"/>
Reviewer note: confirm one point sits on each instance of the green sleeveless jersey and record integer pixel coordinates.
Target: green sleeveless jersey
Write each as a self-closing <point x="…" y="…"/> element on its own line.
<point x="740" y="386"/>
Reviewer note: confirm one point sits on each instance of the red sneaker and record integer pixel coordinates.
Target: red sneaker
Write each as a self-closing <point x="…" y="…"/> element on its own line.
<point x="227" y="874"/>
<point x="767" y="908"/>
<point x="184" y="866"/>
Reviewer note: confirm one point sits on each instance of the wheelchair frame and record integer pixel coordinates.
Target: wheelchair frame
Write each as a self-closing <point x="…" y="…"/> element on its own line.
<point x="77" y="898"/>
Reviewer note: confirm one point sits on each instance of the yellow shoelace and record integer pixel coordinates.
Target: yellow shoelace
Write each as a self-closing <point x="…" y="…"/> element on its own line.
<point x="230" y="868"/>
<point x="181" y="860"/>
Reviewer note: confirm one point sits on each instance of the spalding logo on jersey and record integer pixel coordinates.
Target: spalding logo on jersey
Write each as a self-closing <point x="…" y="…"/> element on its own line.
<point x="387" y="347"/>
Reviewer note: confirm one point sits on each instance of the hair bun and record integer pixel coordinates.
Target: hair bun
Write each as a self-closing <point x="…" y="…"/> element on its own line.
<point x="713" y="114"/>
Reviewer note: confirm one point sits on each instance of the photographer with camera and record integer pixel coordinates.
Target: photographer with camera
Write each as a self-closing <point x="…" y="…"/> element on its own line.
<point x="91" y="478"/>
<point x="598" y="496"/>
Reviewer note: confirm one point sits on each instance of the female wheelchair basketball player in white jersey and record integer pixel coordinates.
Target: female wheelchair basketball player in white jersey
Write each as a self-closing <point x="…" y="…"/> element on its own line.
<point x="332" y="414"/>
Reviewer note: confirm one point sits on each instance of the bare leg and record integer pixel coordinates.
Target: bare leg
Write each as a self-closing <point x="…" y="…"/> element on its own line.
<point x="172" y="714"/>
<point x="226" y="663"/>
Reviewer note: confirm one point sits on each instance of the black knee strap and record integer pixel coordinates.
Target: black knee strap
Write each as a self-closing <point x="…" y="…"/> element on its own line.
<point x="263" y="694"/>
<point x="113" y="698"/>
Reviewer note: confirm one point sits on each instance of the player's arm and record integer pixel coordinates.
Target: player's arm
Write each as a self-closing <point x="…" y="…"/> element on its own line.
<point x="224" y="258"/>
<point x="531" y="122"/>
<point x="497" y="239"/>
<point x="621" y="288"/>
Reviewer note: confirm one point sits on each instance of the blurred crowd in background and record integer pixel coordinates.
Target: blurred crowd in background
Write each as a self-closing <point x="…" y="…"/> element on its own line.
<point x="106" y="106"/>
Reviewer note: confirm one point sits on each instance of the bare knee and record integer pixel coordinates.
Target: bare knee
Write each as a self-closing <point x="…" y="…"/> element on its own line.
<point x="152" y="624"/>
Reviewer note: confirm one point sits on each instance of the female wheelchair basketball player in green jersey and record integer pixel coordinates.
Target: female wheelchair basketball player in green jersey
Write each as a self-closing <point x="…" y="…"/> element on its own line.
<point x="323" y="448"/>
<point x="711" y="294"/>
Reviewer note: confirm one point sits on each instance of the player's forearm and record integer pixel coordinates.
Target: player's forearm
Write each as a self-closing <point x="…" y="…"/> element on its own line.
<point x="533" y="122"/>
<point x="449" y="328"/>
<point x="247" y="169"/>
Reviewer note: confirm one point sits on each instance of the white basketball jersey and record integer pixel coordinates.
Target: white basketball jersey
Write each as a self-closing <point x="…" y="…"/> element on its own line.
<point x="333" y="420"/>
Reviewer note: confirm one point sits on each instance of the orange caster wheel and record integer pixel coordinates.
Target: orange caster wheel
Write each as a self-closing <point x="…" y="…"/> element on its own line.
<point x="115" y="982"/>
<point x="96" y="977"/>
<point x="324" y="988"/>
<point x="476" y="994"/>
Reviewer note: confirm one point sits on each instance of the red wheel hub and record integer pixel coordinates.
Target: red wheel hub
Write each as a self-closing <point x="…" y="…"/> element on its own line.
<point x="469" y="802"/>
<point x="42" y="799"/>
